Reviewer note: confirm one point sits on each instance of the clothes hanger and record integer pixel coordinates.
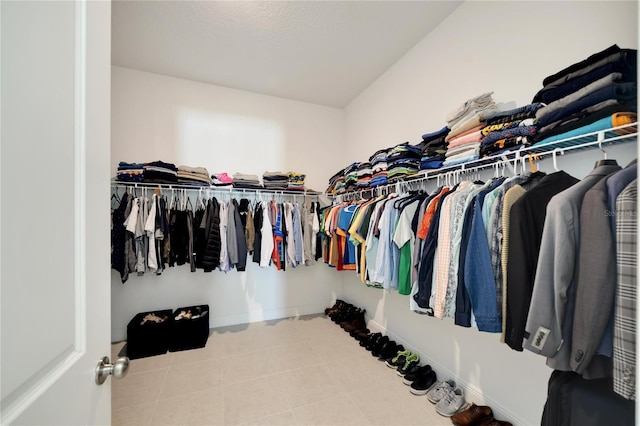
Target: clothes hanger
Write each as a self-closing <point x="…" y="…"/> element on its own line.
<point x="555" y="160"/>
<point x="605" y="161"/>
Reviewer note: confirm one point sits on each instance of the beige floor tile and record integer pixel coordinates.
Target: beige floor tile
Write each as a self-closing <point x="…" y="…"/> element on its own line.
<point x="209" y="352"/>
<point x="339" y="410"/>
<point x="247" y="341"/>
<point x="137" y="388"/>
<point x="150" y="363"/>
<point x="135" y="415"/>
<point x="307" y="385"/>
<point x="192" y="377"/>
<point x="281" y="419"/>
<point x="359" y="372"/>
<point x="243" y="367"/>
<point x="336" y="347"/>
<point x="391" y="403"/>
<point x="252" y="400"/>
<point x="194" y="408"/>
<point x="293" y="356"/>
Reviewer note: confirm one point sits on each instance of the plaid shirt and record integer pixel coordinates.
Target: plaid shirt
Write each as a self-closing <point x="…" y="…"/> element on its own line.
<point x="624" y="337"/>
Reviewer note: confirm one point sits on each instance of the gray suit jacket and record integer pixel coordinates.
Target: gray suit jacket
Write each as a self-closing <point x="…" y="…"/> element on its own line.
<point x="596" y="284"/>
<point x="550" y="320"/>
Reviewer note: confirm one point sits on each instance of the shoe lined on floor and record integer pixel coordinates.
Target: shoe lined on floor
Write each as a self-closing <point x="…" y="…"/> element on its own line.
<point x="439" y="391"/>
<point x="472" y="416"/>
<point x="423" y="383"/>
<point x="399" y="359"/>
<point x="389" y="351"/>
<point x="377" y="348"/>
<point x="334" y="308"/>
<point x="414" y="373"/>
<point x="452" y="403"/>
<point x="410" y="361"/>
<point x="371" y="341"/>
<point x="360" y="335"/>
<point x="357" y="322"/>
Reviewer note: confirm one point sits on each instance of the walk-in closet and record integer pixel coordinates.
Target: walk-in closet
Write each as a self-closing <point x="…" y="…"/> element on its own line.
<point x="320" y="213"/>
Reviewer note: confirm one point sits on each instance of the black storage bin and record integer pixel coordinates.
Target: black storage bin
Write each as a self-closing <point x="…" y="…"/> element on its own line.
<point x="189" y="328"/>
<point x="148" y="338"/>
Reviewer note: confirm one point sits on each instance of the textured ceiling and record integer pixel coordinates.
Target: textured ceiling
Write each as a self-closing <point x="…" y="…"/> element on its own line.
<point x="323" y="52"/>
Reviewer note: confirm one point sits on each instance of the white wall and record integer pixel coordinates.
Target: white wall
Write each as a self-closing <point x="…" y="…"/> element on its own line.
<point x="155" y="117"/>
<point x="507" y="48"/>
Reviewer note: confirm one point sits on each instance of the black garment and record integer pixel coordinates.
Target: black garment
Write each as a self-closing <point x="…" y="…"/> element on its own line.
<point x="318" y="242"/>
<point x="118" y="238"/>
<point x="179" y="253"/>
<point x="583" y="65"/>
<point x="240" y="238"/>
<point x="211" y="258"/>
<point x="199" y="238"/>
<point x="525" y="234"/>
<point x="257" y="225"/>
<point x="425" y="270"/>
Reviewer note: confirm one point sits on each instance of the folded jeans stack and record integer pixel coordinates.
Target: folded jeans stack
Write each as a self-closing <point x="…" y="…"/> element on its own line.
<point x="130" y="172"/>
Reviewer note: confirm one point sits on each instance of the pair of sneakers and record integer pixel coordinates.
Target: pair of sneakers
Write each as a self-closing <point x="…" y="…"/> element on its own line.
<point x="420" y="379"/>
<point x="403" y="362"/>
<point x="449" y="398"/>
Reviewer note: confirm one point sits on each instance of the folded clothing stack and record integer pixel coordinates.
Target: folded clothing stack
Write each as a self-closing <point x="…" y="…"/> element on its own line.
<point x="245" y="181"/>
<point x="470" y="114"/>
<point x="403" y="160"/>
<point x="334" y="184"/>
<point x="509" y="130"/>
<point x="465" y="123"/>
<point x="196" y="176"/>
<point x="351" y="177"/>
<point x="275" y="180"/>
<point x="130" y="172"/>
<point x="379" y="167"/>
<point x="160" y="172"/>
<point x="434" y="147"/>
<point x="364" y="174"/>
<point x="296" y="181"/>
<point x="221" y="179"/>
<point x="588" y="91"/>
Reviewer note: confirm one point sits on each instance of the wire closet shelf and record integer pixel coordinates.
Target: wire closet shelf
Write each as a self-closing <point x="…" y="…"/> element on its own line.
<point x="513" y="159"/>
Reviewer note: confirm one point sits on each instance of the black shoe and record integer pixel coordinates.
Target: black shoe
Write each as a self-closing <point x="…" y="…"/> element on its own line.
<point x="408" y="365"/>
<point x="423" y="383"/>
<point x="377" y="349"/>
<point x="398" y="360"/>
<point x="389" y="351"/>
<point x="373" y="341"/>
<point x="369" y="340"/>
<point x="414" y="373"/>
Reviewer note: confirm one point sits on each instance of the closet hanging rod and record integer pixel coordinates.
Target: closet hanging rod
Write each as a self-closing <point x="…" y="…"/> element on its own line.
<point x="597" y="139"/>
<point x="214" y="189"/>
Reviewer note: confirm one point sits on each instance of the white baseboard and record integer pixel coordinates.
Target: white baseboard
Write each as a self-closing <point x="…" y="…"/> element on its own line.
<point x="472" y="393"/>
<point x="265" y="315"/>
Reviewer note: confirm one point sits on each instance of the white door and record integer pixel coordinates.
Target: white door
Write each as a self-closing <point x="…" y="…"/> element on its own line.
<point x="54" y="168"/>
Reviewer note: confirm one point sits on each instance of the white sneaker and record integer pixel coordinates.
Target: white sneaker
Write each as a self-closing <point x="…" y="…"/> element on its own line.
<point x="440" y="390"/>
<point x="452" y="403"/>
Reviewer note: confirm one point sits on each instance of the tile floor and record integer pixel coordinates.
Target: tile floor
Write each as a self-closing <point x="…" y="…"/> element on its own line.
<point x="294" y="371"/>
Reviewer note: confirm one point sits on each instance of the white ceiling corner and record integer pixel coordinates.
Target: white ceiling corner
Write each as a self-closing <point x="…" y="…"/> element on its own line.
<point x="323" y="52"/>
